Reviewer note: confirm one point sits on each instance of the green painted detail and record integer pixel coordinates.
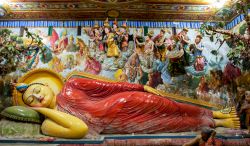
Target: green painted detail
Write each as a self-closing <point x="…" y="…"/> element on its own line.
<point x="21" y="113"/>
<point x="11" y="129"/>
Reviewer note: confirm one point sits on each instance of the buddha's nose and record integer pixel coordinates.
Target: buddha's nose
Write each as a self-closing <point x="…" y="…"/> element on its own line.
<point x="38" y="97"/>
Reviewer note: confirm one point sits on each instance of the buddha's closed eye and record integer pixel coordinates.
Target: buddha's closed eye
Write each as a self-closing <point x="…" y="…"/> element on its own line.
<point x="37" y="90"/>
<point x="29" y="100"/>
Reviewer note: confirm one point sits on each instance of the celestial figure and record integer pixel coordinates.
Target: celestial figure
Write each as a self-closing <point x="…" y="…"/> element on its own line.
<point x="113" y="50"/>
<point x="97" y="37"/>
<point x="196" y="50"/>
<point x="110" y="107"/>
<point x="123" y="37"/>
<point x="175" y="55"/>
<point x="83" y="48"/>
<point x="53" y="39"/>
<point x="114" y="28"/>
<point x="63" y="41"/>
<point x="90" y="32"/>
<point x="58" y="44"/>
<point x="56" y="64"/>
<point x="148" y="49"/>
<point x="139" y="41"/>
<point x="184" y="40"/>
<point x="71" y="47"/>
<point x="183" y="37"/>
<point x="159" y="44"/>
<point x="133" y="69"/>
<point x="69" y="61"/>
<point x="197" y="62"/>
<point x="92" y="65"/>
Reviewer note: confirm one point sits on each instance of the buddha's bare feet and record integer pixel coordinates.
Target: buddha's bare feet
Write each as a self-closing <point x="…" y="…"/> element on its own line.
<point x="228" y="123"/>
<point x="231" y="123"/>
<point x="221" y="115"/>
<point x="229" y="120"/>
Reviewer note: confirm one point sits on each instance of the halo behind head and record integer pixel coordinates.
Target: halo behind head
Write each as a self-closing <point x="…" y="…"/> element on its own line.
<point x="37" y="76"/>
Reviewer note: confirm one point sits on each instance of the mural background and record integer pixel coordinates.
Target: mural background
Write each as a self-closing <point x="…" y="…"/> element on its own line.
<point x="78" y="52"/>
<point x="72" y="32"/>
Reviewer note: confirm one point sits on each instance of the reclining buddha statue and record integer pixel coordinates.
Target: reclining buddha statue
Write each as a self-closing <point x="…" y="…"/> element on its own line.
<point x="90" y="104"/>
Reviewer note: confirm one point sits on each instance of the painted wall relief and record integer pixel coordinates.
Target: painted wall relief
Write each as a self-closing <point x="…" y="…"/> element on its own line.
<point x="182" y="63"/>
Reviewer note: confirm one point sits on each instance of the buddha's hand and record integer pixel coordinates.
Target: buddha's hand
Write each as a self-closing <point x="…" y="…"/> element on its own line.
<point x="151" y="90"/>
<point x="60" y="124"/>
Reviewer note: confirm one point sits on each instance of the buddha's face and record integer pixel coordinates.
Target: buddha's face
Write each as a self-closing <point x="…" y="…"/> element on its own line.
<point x="38" y="96"/>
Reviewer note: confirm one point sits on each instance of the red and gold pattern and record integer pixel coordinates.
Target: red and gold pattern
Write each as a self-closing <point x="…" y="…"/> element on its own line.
<point x="173" y="10"/>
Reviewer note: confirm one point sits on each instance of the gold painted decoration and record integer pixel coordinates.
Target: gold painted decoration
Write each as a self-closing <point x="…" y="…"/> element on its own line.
<point x="113" y="13"/>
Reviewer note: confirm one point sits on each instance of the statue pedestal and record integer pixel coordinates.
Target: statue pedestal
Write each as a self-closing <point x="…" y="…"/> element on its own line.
<point x="131" y="140"/>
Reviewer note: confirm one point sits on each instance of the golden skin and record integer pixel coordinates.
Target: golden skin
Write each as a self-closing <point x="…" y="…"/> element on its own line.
<point x="38" y="96"/>
<point x="58" y="124"/>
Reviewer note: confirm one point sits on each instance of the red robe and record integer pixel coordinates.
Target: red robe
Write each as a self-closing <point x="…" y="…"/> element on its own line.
<point x="122" y="108"/>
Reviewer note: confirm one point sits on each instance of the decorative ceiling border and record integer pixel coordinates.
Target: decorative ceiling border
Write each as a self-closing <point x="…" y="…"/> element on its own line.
<point x="76" y="6"/>
<point x="152" y="24"/>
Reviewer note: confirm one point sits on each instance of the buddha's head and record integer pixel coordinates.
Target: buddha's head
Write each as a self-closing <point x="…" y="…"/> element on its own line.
<point x="36" y="94"/>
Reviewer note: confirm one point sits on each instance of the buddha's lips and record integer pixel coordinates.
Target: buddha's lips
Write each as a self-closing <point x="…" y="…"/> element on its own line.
<point x="41" y="99"/>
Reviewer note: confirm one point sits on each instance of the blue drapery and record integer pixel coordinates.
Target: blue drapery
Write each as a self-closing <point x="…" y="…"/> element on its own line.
<point x="151" y="24"/>
<point x="17" y="23"/>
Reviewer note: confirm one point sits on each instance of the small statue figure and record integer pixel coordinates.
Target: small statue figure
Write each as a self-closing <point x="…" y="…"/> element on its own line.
<point x="58" y="45"/>
<point x="184" y="40"/>
<point x="206" y="138"/>
<point x="196" y="50"/>
<point x="148" y="49"/>
<point x="133" y="69"/>
<point x="109" y="38"/>
<point x="138" y="37"/>
<point x="71" y="47"/>
<point x="175" y="55"/>
<point x="63" y="41"/>
<point x="92" y="65"/>
<point x="90" y="33"/>
<point x="98" y="37"/>
<point x="83" y="48"/>
<point x="115" y="27"/>
<point x="123" y="37"/>
<point x="245" y="110"/>
<point x="159" y="44"/>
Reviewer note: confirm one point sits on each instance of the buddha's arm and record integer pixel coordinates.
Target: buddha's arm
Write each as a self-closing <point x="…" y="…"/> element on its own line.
<point x="62" y="125"/>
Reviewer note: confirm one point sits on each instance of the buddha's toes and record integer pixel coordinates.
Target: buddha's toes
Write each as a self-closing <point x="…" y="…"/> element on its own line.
<point x="225" y="113"/>
<point x="231" y="123"/>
